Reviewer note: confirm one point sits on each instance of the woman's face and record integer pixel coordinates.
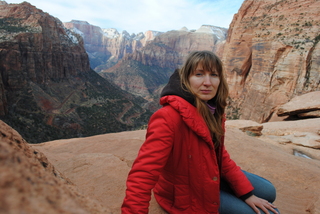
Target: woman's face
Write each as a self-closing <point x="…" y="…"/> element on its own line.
<point x="204" y="83"/>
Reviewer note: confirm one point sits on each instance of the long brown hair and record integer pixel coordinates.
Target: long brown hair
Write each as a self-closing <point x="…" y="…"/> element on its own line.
<point x="210" y="62"/>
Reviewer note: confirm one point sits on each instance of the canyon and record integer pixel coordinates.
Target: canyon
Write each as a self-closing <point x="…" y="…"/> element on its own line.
<point x="143" y="63"/>
<point x="270" y="52"/>
<point x="269" y="58"/>
<point x="48" y="90"/>
<point x="69" y="134"/>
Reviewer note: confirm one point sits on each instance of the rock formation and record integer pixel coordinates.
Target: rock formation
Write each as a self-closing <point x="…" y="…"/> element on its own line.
<point x="169" y="49"/>
<point x="272" y="55"/>
<point x="106" y="47"/>
<point x="35" y="46"/>
<point x="29" y="183"/>
<point x="47" y="88"/>
<point x="304" y="106"/>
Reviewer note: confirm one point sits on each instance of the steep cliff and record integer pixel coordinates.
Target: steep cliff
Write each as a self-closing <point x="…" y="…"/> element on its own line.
<point x="47" y="88"/>
<point x="106" y="47"/>
<point x="272" y="54"/>
<point x="150" y="67"/>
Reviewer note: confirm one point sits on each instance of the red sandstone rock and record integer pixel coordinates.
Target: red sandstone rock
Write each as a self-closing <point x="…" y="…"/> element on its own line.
<point x="94" y="170"/>
<point x="99" y="165"/>
<point x="301" y="105"/>
<point x="35" y="47"/>
<point x="29" y="183"/>
<point x="272" y="54"/>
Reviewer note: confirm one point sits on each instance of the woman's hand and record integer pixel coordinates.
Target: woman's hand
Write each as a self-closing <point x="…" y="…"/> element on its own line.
<point x="255" y="202"/>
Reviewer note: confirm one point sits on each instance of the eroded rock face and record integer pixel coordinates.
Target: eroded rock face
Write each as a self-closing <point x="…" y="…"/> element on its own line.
<point x="107" y="46"/>
<point x="47" y="86"/>
<point x="36" y="47"/>
<point x="94" y="169"/>
<point x="170" y="49"/>
<point x="29" y="183"/>
<point x="272" y="54"/>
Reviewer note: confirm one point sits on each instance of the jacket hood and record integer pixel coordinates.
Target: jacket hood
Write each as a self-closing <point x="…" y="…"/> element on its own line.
<point x="174" y="88"/>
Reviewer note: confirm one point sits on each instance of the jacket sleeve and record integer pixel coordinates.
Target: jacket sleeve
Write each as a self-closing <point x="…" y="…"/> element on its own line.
<point x="234" y="176"/>
<point x="233" y="173"/>
<point x="147" y="167"/>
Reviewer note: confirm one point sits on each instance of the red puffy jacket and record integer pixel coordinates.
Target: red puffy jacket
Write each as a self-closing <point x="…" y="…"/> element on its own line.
<point x="178" y="161"/>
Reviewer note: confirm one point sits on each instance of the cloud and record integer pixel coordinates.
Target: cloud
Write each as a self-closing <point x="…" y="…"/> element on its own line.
<point x="137" y="16"/>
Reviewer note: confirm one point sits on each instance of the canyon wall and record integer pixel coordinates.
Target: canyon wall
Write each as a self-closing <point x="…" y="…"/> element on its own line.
<point x="272" y="54"/>
<point x="35" y="46"/>
<point x="106" y="47"/>
<point x="47" y="88"/>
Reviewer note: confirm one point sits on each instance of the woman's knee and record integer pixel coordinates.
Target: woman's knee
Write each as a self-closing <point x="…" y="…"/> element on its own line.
<point x="262" y="187"/>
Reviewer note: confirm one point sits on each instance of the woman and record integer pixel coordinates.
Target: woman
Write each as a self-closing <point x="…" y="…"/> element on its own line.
<point x="183" y="158"/>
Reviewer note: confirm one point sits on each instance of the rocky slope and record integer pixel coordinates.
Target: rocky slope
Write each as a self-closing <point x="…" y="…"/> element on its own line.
<point x="272" y="55"/>
<point x="29" y="183"/>
<point x="47" y="88"/>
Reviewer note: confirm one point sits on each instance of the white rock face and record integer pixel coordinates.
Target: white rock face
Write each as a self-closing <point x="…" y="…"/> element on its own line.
<point x="220" y="32"/>
<point x="111" y="33"/>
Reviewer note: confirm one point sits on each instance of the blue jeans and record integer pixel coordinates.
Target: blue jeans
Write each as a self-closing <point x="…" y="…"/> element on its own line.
<point x="230" y="204"/>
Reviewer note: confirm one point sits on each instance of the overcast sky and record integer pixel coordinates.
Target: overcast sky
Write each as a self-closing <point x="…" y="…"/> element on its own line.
<point x="137" y="16"/>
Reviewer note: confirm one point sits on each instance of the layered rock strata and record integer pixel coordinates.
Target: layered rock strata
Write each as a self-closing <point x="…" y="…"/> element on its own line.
<point x="106" y="47"/>
<point x="272" y="54"/>
<point x="35" y="47"/>
<point x="304" y="106"/>
<point x="47" y="89"/>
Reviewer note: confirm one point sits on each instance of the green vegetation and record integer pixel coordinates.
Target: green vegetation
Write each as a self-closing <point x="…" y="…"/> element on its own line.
<point x="232" y="110"/>
<point x="81" y="106"/>
<point x="316" y="39"/>
<point x="12" y="25"/>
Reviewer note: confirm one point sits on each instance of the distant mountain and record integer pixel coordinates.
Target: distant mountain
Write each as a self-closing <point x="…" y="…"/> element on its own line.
<point x="270" y="53"/>
<point x="106" y="47"/>
<point x="141" y="64"/>
<point x="47" y="88"/>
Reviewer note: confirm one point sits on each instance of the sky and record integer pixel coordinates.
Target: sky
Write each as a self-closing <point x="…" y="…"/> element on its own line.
<point x="137" y="16"/>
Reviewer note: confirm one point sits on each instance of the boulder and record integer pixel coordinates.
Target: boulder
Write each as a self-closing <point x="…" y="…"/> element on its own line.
<point x="309" y="114"/>
<point x="250" y="127"/>
<point x="305" y="105"/>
